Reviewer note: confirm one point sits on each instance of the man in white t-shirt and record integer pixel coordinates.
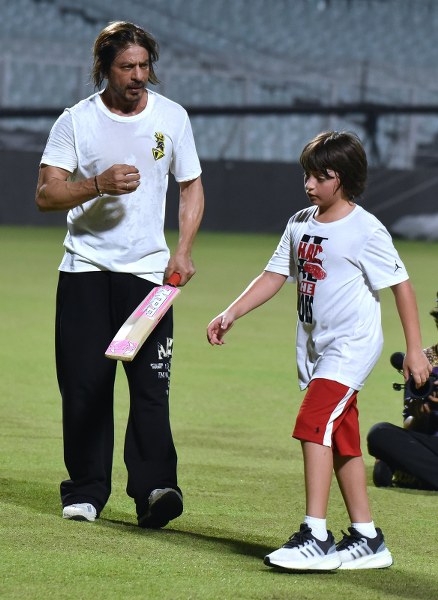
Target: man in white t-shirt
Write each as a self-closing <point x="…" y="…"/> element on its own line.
<point x="107" y="162"/>
<point x="340" y="256"/>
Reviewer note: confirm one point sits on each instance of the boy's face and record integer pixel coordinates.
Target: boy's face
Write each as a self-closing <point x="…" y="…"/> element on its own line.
<point x="323" y="190"/>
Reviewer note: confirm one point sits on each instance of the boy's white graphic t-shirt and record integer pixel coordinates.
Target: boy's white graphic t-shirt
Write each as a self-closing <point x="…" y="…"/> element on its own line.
<point x="122" y="233"/>
<point x="339" y="267"/>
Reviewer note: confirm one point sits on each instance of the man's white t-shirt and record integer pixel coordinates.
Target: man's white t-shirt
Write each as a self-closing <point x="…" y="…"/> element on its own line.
<point x="122" y="233"/>
<point x="339" y="268"/>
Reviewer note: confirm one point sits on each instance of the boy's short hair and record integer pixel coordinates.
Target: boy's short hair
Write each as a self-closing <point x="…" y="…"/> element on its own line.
<point x="341" y="152"/>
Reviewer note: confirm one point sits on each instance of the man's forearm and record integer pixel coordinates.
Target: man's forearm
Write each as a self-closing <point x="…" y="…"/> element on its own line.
<point x="191" y="210"/>
<point x="56" y="194"/>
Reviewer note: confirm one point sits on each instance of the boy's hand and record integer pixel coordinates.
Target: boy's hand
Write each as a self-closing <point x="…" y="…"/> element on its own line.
<point x="218" y="327"/>
<point x="417" y="364"/>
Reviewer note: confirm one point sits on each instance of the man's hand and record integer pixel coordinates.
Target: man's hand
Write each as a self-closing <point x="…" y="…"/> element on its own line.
<point x="180" y="263"/>
<point x="119" y="180"/>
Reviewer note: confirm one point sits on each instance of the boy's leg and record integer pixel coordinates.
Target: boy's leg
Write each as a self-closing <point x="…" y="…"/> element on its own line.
<point x="351" y="477"/>
<point x="364" y="546"/>
<point x="318" y="469"/>
<point x="307" y="549"/>
<point x="322" y="413"/>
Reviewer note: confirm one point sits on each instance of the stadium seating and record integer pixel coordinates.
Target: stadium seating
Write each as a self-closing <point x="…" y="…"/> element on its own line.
<point x="256" y="52"/>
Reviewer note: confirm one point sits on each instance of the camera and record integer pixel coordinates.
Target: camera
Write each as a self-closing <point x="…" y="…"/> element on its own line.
<point x="411" y="391"/>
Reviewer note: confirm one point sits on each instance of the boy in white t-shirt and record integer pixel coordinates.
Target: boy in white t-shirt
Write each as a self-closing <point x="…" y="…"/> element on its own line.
<point x="340" y="256"/>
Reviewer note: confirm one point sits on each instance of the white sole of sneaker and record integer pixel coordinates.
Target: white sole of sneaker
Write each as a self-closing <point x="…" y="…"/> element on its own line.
<point x="75" y="514"/>
<point x="327" y="564"/>
<point x="381" y="560"/>
<point x="79" y="518"/>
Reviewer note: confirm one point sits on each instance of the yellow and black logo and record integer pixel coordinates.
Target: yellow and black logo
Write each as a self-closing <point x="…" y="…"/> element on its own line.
<point x="158" y="152"/>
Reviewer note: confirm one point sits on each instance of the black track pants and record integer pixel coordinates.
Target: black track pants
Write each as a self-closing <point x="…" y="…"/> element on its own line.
<point x="90" y="309"/>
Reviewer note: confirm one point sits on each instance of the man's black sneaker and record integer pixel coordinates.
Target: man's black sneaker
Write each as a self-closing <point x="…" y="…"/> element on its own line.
<point x="303" y="552"/>
<point x="163" y="506"/>
<point x="357" y="551"/>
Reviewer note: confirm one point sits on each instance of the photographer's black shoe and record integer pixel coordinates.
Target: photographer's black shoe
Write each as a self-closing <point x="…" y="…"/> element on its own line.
<point x="382" y="474"/>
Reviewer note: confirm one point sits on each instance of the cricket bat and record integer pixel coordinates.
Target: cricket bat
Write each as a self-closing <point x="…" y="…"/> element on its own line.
<point x="139" y="325"/>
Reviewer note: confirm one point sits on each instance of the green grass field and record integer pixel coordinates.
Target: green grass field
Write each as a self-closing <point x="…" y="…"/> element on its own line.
<point x="232" y="408"/>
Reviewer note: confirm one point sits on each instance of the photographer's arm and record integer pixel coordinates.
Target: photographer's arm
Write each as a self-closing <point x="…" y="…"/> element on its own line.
<point x="415" y="361"/>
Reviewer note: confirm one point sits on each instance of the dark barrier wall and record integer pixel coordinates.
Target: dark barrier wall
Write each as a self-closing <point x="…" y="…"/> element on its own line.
<point x="240" y="196"/>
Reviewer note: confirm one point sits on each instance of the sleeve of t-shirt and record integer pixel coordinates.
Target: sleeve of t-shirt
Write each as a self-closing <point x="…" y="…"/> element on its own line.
<point x="282" y="260"/>
<point x="185" y="164"/>
<point x="60" y="148"/>
<point x="380" y="261"/>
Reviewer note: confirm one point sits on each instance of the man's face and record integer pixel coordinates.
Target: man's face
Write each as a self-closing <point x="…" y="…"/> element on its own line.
<point x="129" y="74"/>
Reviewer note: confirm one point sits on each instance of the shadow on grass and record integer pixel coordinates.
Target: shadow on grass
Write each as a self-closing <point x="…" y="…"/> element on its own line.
<point x="374" y="583"/>
<point x="180" y="537"/>
<point x="42" y="497"/>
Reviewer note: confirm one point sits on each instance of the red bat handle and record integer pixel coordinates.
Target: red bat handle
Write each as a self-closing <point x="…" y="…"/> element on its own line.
<point x="174" y="279"/>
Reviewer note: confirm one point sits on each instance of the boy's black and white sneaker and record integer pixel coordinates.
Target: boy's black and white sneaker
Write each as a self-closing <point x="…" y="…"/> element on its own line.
<point x="357" y="551"/>
<point x="304" y="552"/>
<point x="164" y="504"/>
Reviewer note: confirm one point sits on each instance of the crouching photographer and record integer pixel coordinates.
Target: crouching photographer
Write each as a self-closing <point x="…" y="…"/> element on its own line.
<point x="408" y="456"/>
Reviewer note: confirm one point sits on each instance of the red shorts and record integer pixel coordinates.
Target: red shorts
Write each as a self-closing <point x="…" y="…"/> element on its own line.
<point x="329" y="416"/>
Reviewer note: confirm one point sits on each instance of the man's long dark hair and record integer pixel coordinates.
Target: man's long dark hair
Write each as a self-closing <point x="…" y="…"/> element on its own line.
<point x="115" y="38"/>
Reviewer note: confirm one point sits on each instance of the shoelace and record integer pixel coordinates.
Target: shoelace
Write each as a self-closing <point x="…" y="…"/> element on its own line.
<point x="349" y="539"/>
<point x="298" y="538"/>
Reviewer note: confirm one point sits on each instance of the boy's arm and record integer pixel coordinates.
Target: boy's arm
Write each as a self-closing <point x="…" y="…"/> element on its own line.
<point x="415" y="361"/>
<point x="259" y="291"/>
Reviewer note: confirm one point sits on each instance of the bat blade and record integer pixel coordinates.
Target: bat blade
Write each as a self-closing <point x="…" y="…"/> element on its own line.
<point x="140" y="324"/>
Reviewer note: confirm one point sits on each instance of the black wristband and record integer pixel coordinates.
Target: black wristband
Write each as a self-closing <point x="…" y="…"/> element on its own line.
<point x="99" y="193"/>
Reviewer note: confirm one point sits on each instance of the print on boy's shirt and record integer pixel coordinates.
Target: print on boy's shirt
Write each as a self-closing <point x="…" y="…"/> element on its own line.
<point x="310" y="270"/>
